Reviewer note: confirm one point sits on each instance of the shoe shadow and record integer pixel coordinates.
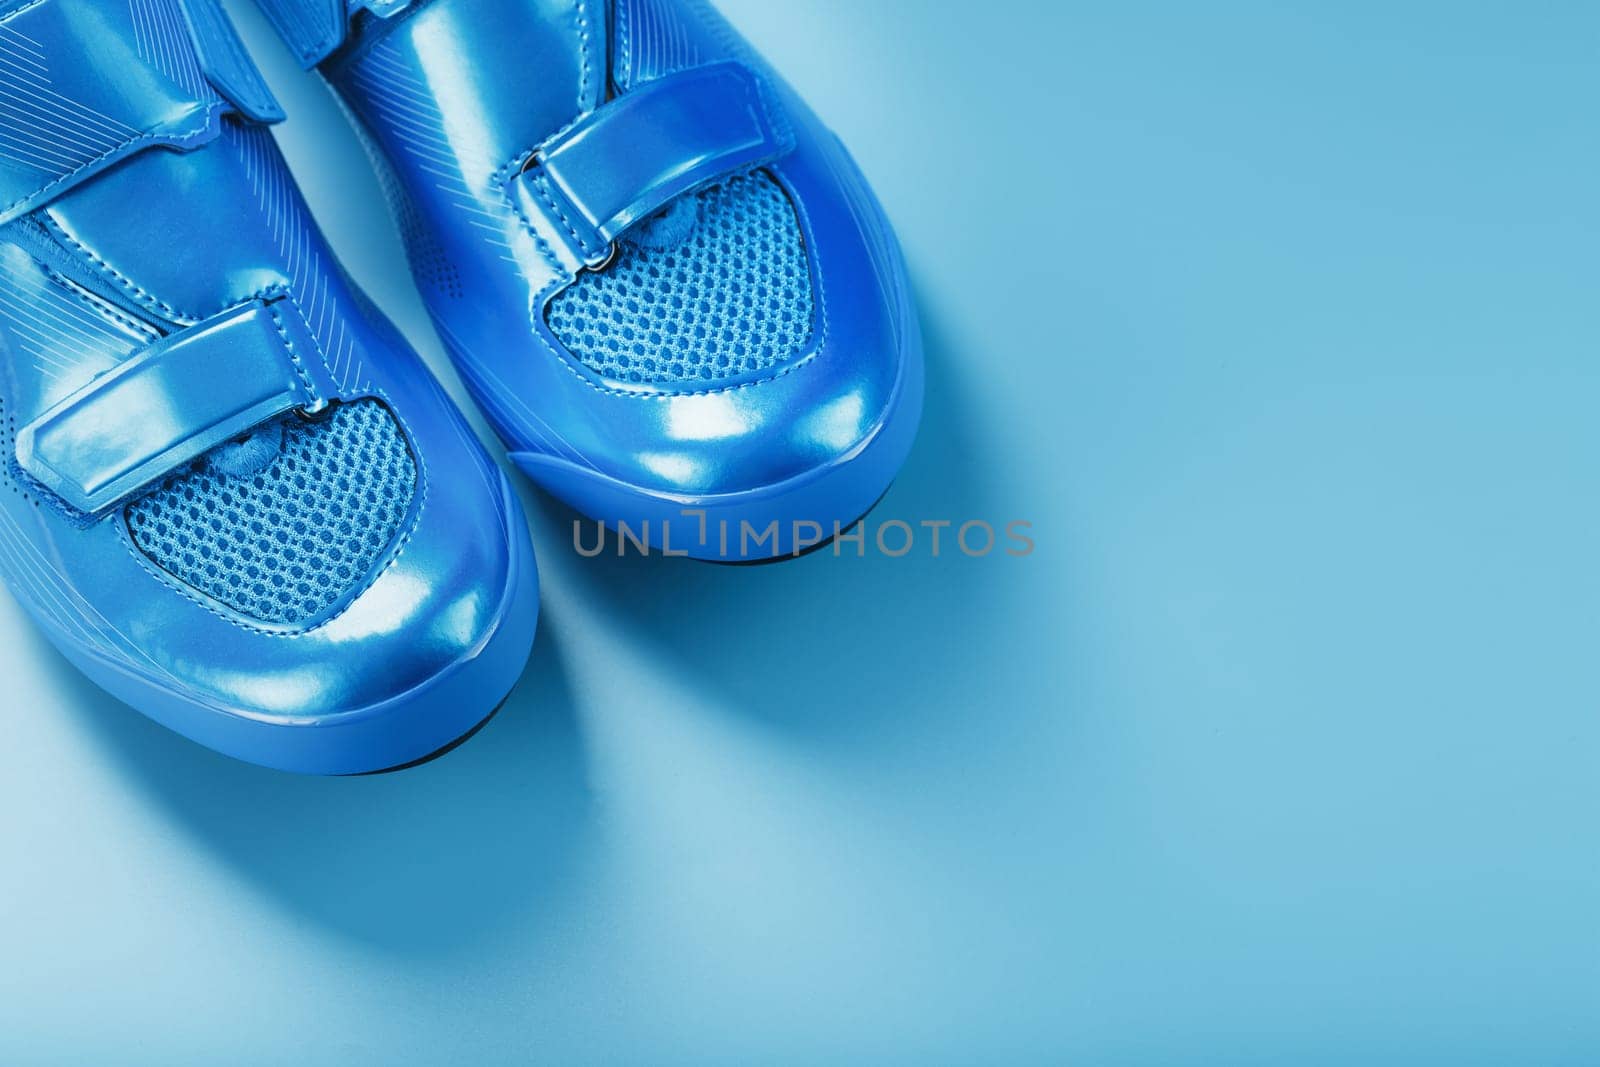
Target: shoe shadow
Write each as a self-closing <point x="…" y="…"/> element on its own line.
<point x="853" y="655"/>
<point x="433" y="860"/>
<point x="830" y="648"/>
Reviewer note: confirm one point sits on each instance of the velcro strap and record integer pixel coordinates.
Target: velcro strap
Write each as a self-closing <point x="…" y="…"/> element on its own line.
<point x="226" y="64"/>
<point x="82" y="85"/>
<point x="173" y="402"/>
<point x="382" y="8"/>
<point x="629" y="158"/>
<point x="314" y="29"/>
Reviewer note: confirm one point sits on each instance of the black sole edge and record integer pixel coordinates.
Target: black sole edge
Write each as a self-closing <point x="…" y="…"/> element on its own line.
<point x="808" y="550"/>
<point x="436" y="753"/>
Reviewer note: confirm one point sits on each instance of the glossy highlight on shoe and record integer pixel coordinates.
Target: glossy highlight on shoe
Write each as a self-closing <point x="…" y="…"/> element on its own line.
<point x="664" y="280"/>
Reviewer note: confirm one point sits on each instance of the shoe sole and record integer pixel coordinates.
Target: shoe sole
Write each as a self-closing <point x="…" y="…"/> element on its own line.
<point x="436" y="753"/>
<point x="806" y="551"/>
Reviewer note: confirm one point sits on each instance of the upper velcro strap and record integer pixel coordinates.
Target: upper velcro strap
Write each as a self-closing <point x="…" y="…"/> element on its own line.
<point x="629" y="158"/>
<point x="84" y="84"/>
<point x="382" y="8"/>
<point x="226" y="64"/>
<point x="173" y="402"/>
<point x="311" y="28"/>
<point x="314" y="29"/>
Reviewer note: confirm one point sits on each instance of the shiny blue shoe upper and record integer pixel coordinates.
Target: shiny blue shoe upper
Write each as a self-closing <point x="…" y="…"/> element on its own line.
<point x="648" y="258"/>
<point x="220" y="463"/>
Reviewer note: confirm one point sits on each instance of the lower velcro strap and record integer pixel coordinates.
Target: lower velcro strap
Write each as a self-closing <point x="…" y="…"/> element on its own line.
<point x="172" y="402"/>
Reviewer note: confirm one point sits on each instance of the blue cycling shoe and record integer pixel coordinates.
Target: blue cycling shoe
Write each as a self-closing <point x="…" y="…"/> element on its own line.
<point x="232" y="496"/>
<point x="664" y="280"/>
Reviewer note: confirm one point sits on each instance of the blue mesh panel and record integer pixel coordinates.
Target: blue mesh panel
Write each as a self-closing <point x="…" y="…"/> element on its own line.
<point x="733" y="297"/>
<point x="283" y="543"/>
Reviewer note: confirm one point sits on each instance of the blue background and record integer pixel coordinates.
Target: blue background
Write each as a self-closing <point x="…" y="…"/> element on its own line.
<point x="1280" y="327"/>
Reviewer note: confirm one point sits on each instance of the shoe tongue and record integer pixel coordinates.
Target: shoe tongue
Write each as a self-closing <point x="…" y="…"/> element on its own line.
<point x="667" y="228"/>
<point x="248" y="455"/>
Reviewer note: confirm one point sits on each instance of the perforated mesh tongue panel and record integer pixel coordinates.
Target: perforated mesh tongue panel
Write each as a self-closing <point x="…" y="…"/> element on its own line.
<point x="284" y="543"/>
<point x="732" y="298"/>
